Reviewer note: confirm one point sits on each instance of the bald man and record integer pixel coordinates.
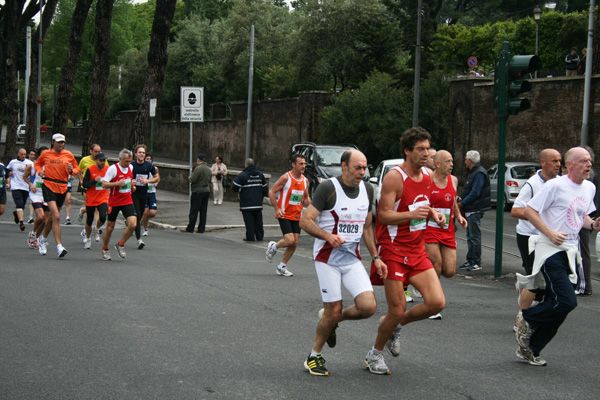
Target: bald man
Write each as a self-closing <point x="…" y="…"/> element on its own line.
<point x="558" y="211"/>
<point x="440" y="242"/>
<point x="550" y="161"/>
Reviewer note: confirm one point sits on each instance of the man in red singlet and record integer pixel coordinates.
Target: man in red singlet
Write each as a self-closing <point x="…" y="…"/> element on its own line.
<point x="292" y="189"/>
<point x="404" y="208"/>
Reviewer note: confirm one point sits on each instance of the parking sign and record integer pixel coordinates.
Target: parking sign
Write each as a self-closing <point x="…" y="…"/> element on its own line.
<point x="192" y="104"/>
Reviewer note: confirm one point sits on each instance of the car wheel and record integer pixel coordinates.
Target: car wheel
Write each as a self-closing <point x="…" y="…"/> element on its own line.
<point x="507" y="205"/>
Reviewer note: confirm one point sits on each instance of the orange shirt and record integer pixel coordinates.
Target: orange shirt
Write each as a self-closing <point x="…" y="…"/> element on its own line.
<point x="55" y="169"/>
<point x="96" y="195"/>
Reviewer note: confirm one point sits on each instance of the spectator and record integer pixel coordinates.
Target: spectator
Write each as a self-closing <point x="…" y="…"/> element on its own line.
<point x="476" y="199"/>
<point x="252" y="186"/>
<point x="571" y="62"/>
<point x="219" y="172"/>
<point x="581" y="64"/>
<point x="200" y="180"/>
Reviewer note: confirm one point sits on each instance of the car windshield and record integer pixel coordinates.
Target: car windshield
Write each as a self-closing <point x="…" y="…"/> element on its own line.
<point x="330" y="157"/>
<point x="523" y="171"/>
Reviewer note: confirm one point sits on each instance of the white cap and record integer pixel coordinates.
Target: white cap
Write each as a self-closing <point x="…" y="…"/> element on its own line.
<point x="58" y="137"/>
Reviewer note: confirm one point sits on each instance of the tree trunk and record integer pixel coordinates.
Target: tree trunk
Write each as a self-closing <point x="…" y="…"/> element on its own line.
<point x="100" y="74"/>
<point x="65" y="90"/>
<point x="155" y="74"/>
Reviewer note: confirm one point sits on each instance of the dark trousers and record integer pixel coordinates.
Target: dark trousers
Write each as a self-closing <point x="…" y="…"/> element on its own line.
<point x="584" y="274"/>
<point x="528" y="258"/>
<point x="559" y="300"/>
<point x="254" y="225"/>
<point x="474" y="238"/>
<point x="198" y="204"/>
<point x="139" y="202"/>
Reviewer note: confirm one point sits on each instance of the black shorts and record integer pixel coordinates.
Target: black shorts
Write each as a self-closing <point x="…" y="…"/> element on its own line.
<point x="20" y="197"/>
<point x="289" y="226"/>
<point x="128" y="210"/>
<point x="40" y="205"/>
<point x="2" y="196"/>
<point x="49" y="196"/>
<point x="91" y="210"/>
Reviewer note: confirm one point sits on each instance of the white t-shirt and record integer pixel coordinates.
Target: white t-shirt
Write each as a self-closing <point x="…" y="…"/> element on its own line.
<point x="111" y="172"/>
<point x="563" y="206"/>
<point x="18" y="168"/>
<point x="531" y="187"/>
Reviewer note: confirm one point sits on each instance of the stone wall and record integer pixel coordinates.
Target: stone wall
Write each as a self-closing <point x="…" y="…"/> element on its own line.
<point x="554" y="120"/>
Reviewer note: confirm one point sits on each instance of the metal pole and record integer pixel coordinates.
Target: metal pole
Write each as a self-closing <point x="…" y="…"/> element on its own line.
<point x="27" y="72"/>
<point x="39" y="91"/>
<point x="588" y="78"/>
<point x="537" y="32"/>
<point x="250" y="78"/>
<point x="191" y="161"/>
<point x="417" y="86"/>
<point x="152" y="136"/>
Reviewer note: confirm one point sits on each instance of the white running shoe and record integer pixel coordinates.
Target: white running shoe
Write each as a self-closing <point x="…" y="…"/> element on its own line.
<point x="87" y="243"/>
<point x="96" y="232"/>
<point x="436" y="316"/>
<point x="283" y="271"/>
<point x="120" y="250"/>
<point x="376" y="364"/>
<point x="145" y="233"/>
<point x="82" y="234"/>
<point x="42" y="245"/>
<point x="61" y="251"/>
<point x="271" y="250"/>
<point x="409" y="299"/>
<point x="80" y="214"/>
<point x="67" y="221"/>
<point x="393" y="344"/>
<point x="141" y="244"/>
<point x="31" y="240"/>
<point x="105" y="254"/>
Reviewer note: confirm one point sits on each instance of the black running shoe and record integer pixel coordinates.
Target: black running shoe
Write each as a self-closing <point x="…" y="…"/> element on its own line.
<point x="332" y="339"/>
<point x="316" y="365"/>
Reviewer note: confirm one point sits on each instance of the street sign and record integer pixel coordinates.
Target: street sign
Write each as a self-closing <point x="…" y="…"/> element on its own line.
<point x="472" y="62"/>
<point x="153" y="107"/>
<point x="192" y="104"/>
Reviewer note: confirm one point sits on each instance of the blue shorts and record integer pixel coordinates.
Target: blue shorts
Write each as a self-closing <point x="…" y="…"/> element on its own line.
<point x="151" y="201"/>
<point x="20" y="197"/>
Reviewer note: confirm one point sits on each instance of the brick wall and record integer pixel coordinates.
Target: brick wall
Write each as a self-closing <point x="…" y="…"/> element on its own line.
<point x="554" y="120"/>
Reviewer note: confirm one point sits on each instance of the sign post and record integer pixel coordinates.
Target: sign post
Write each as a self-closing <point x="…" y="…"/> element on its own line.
<point x="472" y="61"/>
<point x="152" y="115"/>
<point x="192" y="110"/>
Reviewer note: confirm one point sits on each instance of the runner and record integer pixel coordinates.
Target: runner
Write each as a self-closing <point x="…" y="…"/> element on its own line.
<point x="151" y="208"/>
<point x="96" y="199"/>
<point x="143" y="173"/>
<point x="36" y="199"/>
<point x="55" y="166"/>
<point x="84" y="164"/>
<point x="343" y="206"/>
<point x="287" y="196"/>
<point x="440" y="243"/>
<point x="32" y="157"/>
<point x="118" y="179"/>
<point x="18" y="186"/>
<point x="68" y="200"/>
<point x="3" y="173"/>
<point x="401" y="221"/>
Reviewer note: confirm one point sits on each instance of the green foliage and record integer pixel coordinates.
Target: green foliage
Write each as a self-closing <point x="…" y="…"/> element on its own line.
<point x="372" y="117"/>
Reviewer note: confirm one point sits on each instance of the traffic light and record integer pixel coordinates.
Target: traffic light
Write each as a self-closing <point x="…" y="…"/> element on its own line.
<point x="517" y="67"/>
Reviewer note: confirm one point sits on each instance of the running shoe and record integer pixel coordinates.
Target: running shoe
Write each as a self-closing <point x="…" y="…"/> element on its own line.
<point x="332" y="339"/>
<point x="82" y="234"/>
<point x="474" y="267"/>
<point x="465" y="265"/>
<point x="16" y="216"/>
<point x="96" y="232"/>
<point x="42" y="245"/>
<point x="21" y="226"/>
<point x="80" y="214"/>
<point x="527" y="355"/>
<point x="316" y="365"/>
<point x="31" y="240"/>
<point x="120" y="250"/>
<point x="393" y="344"/>
<point x="409" y="299"/>
<point x="436" y="316"/>
<point x="87" y="244"/>
<point x="271" y="250"/>
<point x="518" y="321"/>
<point x="140" y="244"/>
<point x="145" y="233"/>
<point x="61" y="251"/>
<point x="524" y="333"/>
<point x="105" y="254"/>
<point x="283" y="271"/>
<point x="376" y="364"/>
<point x="67" y="221"/>
<point x="30" y="220"/>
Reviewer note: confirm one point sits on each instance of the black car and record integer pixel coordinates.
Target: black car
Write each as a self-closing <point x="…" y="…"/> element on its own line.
<point x="322" y="161"/>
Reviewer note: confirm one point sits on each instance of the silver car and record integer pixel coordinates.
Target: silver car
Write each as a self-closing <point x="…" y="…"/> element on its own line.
<point x="382" y="169"/>
<point x="515" y="177"/>
<point x="21" y="133"/>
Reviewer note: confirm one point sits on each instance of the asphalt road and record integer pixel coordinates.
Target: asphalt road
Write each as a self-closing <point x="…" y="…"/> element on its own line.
<point x="205" y="317"/>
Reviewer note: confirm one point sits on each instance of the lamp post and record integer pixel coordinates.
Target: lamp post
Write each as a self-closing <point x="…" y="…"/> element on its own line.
<point x="537" y="15"/>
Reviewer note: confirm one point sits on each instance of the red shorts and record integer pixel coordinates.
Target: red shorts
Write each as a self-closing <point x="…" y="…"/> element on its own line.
<point x="441" y="236"/>
<point x="400" y="268"/>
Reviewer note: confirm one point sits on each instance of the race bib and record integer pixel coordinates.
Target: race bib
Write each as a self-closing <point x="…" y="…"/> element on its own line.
<point x="296" y="197"/>
<point x="38" y="185"/>
<point x="127" y="187"/>
<point x="446" y="213"/>
<point x="351" y="229"/>
<point x="138" y="179"/>
<point x="98" y="186"/>
<point x="420" y="224"/>
<point x="150" y="187"/>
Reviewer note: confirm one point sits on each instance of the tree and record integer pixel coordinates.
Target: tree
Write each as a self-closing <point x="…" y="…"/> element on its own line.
<point x="155" y="72"/>
<point x="100" y="73"/>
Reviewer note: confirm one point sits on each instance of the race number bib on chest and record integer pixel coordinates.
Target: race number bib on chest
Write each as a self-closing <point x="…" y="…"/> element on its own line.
<point x="296" y="197"/>
<point x="126" y="188"/>
<point x="351" y="229"/>
<point x="420" y="224"/>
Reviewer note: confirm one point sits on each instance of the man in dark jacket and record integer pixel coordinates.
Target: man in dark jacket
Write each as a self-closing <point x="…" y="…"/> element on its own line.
<point x="252" y="186"/>
<point x="476" y="199"/>
<point x="571" y="62"/>
<point x="200" y="181"/>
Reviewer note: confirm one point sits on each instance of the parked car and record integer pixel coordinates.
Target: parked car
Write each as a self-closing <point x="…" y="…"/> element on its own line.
<point x="515" y="177"/>
<point x="382" y="169"/>
<point x="21" y="133"/>
<point x="322" y="161"/>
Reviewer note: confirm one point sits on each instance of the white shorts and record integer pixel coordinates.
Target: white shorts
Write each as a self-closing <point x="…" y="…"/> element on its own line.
<point x="353" y="276"/>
